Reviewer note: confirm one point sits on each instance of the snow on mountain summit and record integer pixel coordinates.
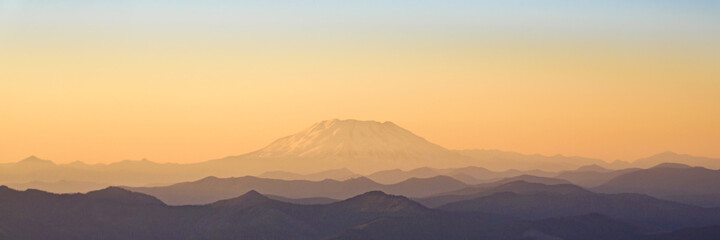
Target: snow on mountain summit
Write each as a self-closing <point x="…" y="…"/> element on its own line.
<point x="361" y="145"/>
<point x="350" y="138"/>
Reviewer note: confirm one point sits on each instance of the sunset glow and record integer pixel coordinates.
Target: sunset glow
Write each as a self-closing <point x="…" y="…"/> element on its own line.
<point x="104" y="81"/>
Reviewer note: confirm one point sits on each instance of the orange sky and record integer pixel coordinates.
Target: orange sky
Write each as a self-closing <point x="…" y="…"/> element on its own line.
<point x="100" y="96"/>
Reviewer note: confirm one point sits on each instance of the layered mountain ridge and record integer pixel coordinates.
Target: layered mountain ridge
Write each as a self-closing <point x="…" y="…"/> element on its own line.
<point x="332" y="149"/>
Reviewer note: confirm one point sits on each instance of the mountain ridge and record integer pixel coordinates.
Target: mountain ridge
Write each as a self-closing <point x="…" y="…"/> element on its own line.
<point x="211" y="189"/>
<point x="364" y="147"/>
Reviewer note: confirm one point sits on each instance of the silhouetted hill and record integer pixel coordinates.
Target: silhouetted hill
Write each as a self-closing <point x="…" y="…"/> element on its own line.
<point x="334" y="174"/>
<point x="35" y="162"/>
<point x="33" y="172"/>
<point x="304" y="201"/>
<point x="694" y="185"/>
<point x="421" y="187"/>
<point x="519" y="186"/>
<point x="446" y="226"/>
<point x="523" y="187"/>
<point x="635" y="208"/>
<point x="249" y="199"/>
<point x="115" y="213"/>
<point x="106" y="214"/>
<point x="377" y="201"/>
<point x="593" y="168"/>
<point x="212" y="189"/>
<point x="467" y="179"/>
<point x="501" y="160"/>
<point x="701" y="233"/>
<point x="672" y="165"/>
<point x="486" y="176"/>
<point x="311" y="221"/>
<point x="60" y="186"/>
<point x="469" y="175"/>
<point x="529" y="178"/>
<point x="671" y="157"/>
<point x="123" y="196"/>
<point x="397" y="175"/>
<point x="592" y="177"/>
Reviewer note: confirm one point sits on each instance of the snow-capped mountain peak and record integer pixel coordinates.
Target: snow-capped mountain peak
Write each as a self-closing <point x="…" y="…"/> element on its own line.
<point x="358" y="145"/>
<point x="350" y="138"/>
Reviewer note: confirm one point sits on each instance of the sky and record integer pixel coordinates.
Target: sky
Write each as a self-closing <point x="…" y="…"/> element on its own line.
<point x="188" y="81"/>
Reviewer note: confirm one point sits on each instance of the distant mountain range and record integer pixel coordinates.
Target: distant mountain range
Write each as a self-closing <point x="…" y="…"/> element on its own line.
<point x="116" y="213"/>
<point x="333" y="149"/>
<point x="469" y="175"/>
<point x="502" y="160"/>
<point x="472" y="226"/>
<point x="143" y="172"/>
<point x="333" y="174"/>
<point x="538" y="201"/>
<point x="212" y="189"/>
<point x="592" y="175"/>
<point x="671" y="157"/>
<point x="62" y="186"/>
<point x="677" y="182"/>
<point x="488" y="188"/>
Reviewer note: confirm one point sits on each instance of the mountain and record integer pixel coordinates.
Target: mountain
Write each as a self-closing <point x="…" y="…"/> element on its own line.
<point x="333" y="174"/>
<point x="531" y="179"/>
<point x="671" y="157"/>
<point x="421" y="187"/>
<point x="28" y="165"/>
<point x="470" y="175"/>
<point x="121" y="195"/>
<point x="253" y="216"/>
<point x="377" y="201"/>
<point x="116" y="213"/>
<point x="363" y="146"/>
<point x="517" y="186"/>
<point x="522" y="178"/>
<point x="35" y="162"/>
<point x="304" y="201"/>
<point x="105" y="214"/>
<point x="34" y="172"/>
<point x="397" y="175"/>
<point x="500" y="161"/>
<point x="479" y="173"/>
<point x="467" y="179"/>
<point x="440" y="227"/>
<point x="700" y="233"/>
<point x="592" y="168"/>
<point x="672" y="165"/>
<point x="247" y="200"/>
<point x="62" y="186"/>
<point x="212" y="189"/>
<point x="643" y="210"/>
<point x="347" y="146"/>
<point x="592" y="176"/>
<point x="677" y="182"/>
